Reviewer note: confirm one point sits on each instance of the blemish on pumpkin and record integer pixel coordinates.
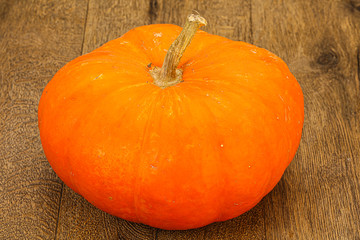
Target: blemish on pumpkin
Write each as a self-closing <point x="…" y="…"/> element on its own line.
<point x="143" y="46"/>
<point x="170" y="158"/>
<point x="100" y="76"/>
<point x="110" y="198"/>
<point x="277" y="117"/>
<point x="281" y="98"/>
<point x="158" y="34"/>
<point x="156" y="42"/>
<point x="100" y="153"/>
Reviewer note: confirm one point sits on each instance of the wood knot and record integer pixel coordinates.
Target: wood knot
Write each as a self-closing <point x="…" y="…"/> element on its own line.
<point x="355" y="4"/>
<point x="329" y="59"/>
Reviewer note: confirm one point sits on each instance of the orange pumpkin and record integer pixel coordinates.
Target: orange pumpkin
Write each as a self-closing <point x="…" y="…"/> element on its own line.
<point x="206" y="148"/>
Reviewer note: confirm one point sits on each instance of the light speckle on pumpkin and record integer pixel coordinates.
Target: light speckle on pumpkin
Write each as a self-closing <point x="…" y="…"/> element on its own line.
<point x="171" y="111"/>
<point x="222" y="145"/>
<point x="158" y="34"/>
<point x="100" y="153"/>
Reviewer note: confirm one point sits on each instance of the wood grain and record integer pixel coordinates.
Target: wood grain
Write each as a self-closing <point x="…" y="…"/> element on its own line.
<point x="231" y="19"/>
<point x="319" y="195"/>
<point x="37" y="38"/>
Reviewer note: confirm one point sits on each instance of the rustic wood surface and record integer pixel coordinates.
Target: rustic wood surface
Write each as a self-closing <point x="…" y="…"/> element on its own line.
<point x="319" y="194"/>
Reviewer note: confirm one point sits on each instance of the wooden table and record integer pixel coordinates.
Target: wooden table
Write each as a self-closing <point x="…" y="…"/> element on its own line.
<point x="317" y="198"/>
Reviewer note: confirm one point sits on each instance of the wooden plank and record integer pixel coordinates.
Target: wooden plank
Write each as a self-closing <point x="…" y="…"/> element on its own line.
<point x="319" y="195"/>
<point x="37" y="38"/>
<point x="229" y="19"/>
<point x="108" y="20"/>
<point x="78" y="219"/>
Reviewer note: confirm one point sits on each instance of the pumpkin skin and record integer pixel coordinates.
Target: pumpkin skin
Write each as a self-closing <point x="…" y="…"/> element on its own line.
<point x="205" y="150"/>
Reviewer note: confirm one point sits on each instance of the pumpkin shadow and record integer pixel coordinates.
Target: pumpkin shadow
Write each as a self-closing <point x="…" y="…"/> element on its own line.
<point x="249" y="225"/>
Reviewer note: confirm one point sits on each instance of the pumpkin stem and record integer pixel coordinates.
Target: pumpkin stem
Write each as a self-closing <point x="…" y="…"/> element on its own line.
<point x="169" y="74"/>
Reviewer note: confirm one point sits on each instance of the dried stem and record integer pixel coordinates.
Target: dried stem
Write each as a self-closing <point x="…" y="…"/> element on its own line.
<point x="169" y="75"/>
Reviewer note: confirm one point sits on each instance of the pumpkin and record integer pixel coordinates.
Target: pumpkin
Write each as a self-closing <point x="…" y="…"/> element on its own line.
<point x="199" y="137"/>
